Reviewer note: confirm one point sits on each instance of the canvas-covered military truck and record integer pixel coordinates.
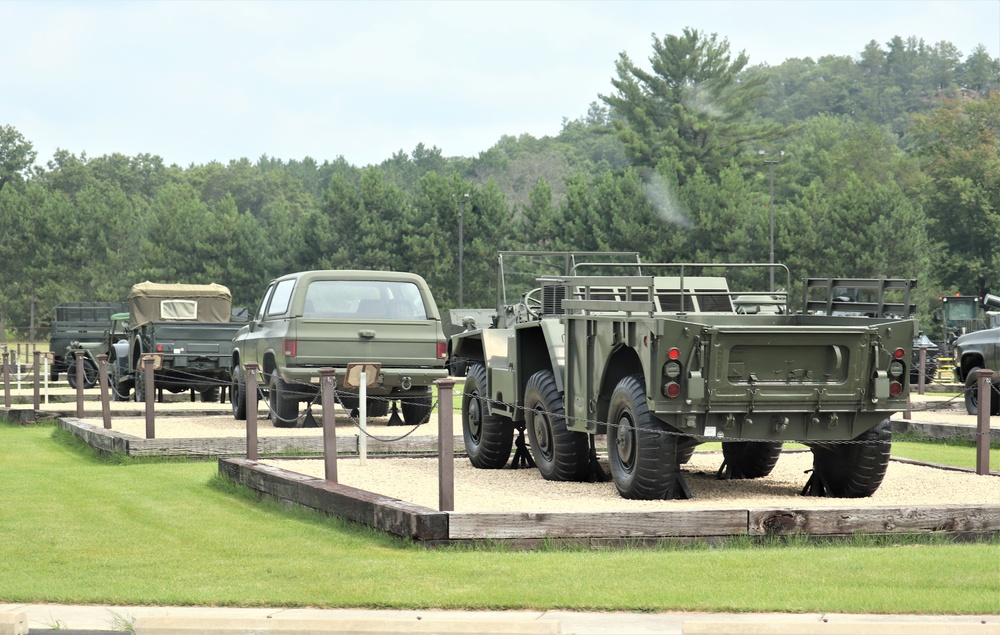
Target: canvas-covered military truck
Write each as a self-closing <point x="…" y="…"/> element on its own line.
<point x="975" y="351"/>
<point x="189" y="329"/>
<point x="77" y="325"/>
<point x="314" y="319"/>
<point x="656" y="357"/>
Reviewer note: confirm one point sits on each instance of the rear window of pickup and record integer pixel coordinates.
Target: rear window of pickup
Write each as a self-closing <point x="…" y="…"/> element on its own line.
<point x="364" y="299"/>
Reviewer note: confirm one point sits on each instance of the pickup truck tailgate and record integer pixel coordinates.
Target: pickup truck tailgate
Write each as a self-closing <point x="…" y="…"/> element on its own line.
<point x="393" y="343"/>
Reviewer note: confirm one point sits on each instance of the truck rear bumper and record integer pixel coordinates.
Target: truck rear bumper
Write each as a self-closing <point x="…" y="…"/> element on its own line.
<point x="391" y="380"/>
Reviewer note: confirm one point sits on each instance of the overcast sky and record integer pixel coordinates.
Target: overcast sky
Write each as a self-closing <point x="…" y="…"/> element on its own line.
<point x="195" y="82"/>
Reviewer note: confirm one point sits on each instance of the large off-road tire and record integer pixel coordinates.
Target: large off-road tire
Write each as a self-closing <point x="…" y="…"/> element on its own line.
<point x="89" y="373"/>
<point x="210" y="395"/>
<point x="348" y="401"/>
<point x="416" y="410"/>
<point x="684" y="454"/>
<point x="854" y="470"/>
<point x="750" y="459"/>
<point x="488" y="438"/>
<point x="283" y="408"/>
<point x="641" y="453"/>
<point x="238" y="394"/>
<point x="378" y="407"/>
<point x="972" y="393"/>
<point x="559" y="454"/>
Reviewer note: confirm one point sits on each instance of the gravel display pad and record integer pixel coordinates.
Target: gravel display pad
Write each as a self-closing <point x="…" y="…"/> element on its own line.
<point x="416" y="481"/>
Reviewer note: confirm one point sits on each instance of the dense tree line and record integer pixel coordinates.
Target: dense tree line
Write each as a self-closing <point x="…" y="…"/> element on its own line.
<point x="887" y="164"/>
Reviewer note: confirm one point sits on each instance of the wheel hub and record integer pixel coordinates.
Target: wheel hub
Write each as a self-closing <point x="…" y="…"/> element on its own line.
<point x="625" y="441"/>
<point x="475" y="418"/>
<point x="541" y="428"/>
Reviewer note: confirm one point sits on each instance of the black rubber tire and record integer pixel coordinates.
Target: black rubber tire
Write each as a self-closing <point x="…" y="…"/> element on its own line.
<point x="559" y="454"/>
<point x="139" y="387"/>
<point x="457" y="367"/>
<point x="348" y="401"/>
<point x="210" y="395"/>
<point x="89" y="374"/>
<point x="416" y="410"/>
<point x="684" y="454"/>
<point x="972" y="394"/>
<point x="854" y="470"/>
<point x="378" y="407"/>
<point x="488" y="438"/>
<point x="119" y="391"/>
<point x="238" y="394"/>
<point x="750" y="459"/>
<point x="641" y="453"/>
<point x="282" y="410"/>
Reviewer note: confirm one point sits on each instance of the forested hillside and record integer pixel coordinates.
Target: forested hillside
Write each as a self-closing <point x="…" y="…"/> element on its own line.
<point x="884" y="164"/>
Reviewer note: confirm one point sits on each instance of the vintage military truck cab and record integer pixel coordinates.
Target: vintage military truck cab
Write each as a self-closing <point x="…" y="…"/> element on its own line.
<point x="659" y="360"/>
<point x="188" y="329"/>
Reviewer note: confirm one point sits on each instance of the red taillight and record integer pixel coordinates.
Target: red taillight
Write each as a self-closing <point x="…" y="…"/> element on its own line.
<point x="289" y="348"/>
<point x="673" y="390"/>
<point x="895" y="388"/>
<point x="159" y="348"/>
<point x="674" y="353"/>
<point x="898" y="354"/>
<point x="442" y="350"/>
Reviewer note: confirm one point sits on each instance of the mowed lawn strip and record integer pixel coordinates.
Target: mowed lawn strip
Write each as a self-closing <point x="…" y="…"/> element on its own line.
<point x="78" y="529"/>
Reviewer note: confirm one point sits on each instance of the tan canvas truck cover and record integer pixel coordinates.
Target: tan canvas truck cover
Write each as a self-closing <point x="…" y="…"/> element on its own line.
<point x="153" y="302"/>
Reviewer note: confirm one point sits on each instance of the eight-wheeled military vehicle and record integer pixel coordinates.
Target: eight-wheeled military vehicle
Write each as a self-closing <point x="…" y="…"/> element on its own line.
<point x="656" y="357"/>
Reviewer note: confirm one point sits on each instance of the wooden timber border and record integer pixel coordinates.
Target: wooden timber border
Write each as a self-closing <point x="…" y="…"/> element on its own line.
<point x="111" y="442"/>
<point x="432" y="528"/>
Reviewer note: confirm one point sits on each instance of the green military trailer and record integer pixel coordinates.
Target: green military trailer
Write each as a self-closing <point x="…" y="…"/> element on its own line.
<point x="657" y="357"/>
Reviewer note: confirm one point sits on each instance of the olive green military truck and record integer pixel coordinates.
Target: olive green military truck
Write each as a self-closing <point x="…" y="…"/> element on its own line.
<point x="657" y="357"/>
<point x="315" y="319"/>
<point x="187" y="328"/>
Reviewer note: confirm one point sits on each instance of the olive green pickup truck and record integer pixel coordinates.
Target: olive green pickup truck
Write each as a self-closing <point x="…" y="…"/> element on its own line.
<point x="315" y="319"/>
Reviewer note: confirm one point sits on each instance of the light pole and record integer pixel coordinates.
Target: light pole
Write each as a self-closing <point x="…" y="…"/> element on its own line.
<point x="461" y="246"/>
<point x="772" y="163"/>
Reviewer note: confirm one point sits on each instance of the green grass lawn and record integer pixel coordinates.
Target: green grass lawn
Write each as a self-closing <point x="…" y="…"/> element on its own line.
<point x="78" y="529"/>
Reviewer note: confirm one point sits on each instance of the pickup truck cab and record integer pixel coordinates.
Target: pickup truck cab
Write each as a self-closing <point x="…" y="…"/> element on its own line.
<point x="314" y="319"/>
<point x="975" y="351"/>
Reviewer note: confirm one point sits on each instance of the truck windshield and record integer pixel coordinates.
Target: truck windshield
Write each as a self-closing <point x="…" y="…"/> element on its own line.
<point x="368" y="299"/>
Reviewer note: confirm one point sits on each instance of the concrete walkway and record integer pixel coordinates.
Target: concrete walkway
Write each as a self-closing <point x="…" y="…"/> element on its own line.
<point x="42" y="617"/>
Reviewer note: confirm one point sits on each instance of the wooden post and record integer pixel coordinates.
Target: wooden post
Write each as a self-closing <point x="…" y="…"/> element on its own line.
<point x="251" y="397"/>
<point x="36" y="367"/>
<point x="148" y="363"/>
<point x="983" y="422"/>
<point x="102" y="365"/>
<point x="6" y="379"/>
<point x="446" y="446"/>
<point x="922" y="380"/>
<point x="47" y="370"/>
<point x="78" y="355"/>
<point x="326" y="375"/>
